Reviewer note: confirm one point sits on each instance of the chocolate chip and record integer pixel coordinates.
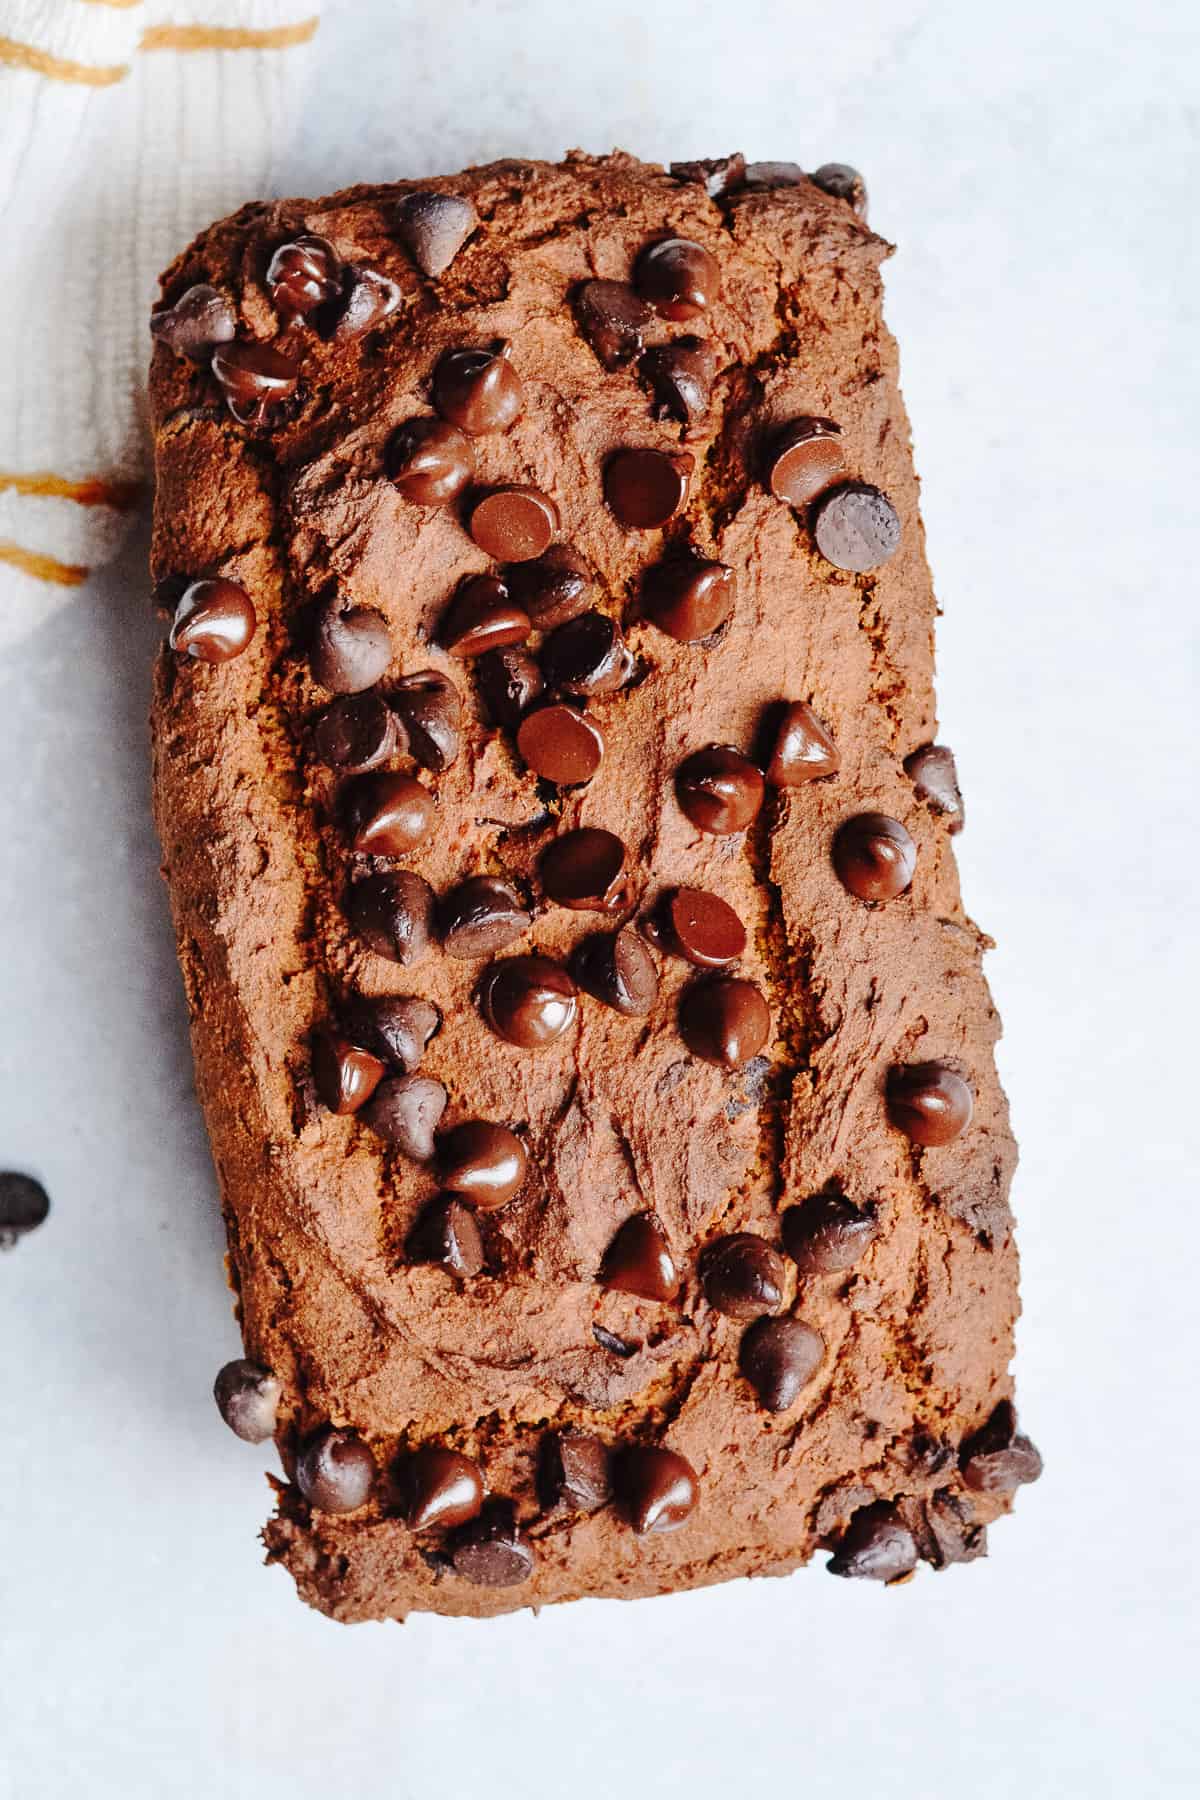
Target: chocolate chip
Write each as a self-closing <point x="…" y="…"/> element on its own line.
<point x="200" y="319"/>
<point x="429" y="707"/>
<point x="552" y="588"/>
<point x="583" y="868"/>
<point x="725" y="1020"/>
<point x="616" y="1346"/>
<point x="514" y="523"/>
<point x="481" y="617"/>
<point x="447" y="1233"/>
<point x="613" y="320"/>
<point x="478" y="390"/>
<point x="742" y="1276"/>
<point x="945" y="1530"/>
<point x="679" y="278"/>
<point x="658" y="1488"/>
<point x="805" y="458"/>
<point x="703" y="928"/>
<point x="428" y="461"/>
<point x="935" y="781"/>
<point x="247" y="1397"/>
<point x="682" y="375"/>
<point x="720" y="790"/>
<point x="529" y="1001"/>
<point x="638" y="1261"/>
<point x="480" y="916"/>
<point x="774" y="174"/>
<point x="405" y="1111"/>
<point x="574" y="1471"/>
<point x="844" y="183"/>
<point x="303" y="274"/>
<point x="930" y="1103"/>
<point x="351" y="648"/>
<point x="560" y="745"/>
<point x="779" y="1357"/>
<point x="365" y="299"/>
<point x="485" y="1163"/>
<point x="587" y="655"/>
<point x="356" y="732"/>
<point x="856" y="528"/>
<point x="393" y="914"/>
<point x="434" y="227"/>
<point x="688" y="598"/>
<point x="255" y="378"/>
<point x="645" y="488"/>
<point x="827" y="1233"/>
<point x="802" y="749"/>
<point x="874" y="856"/>
<point x="493" y="1551"/>
<point x="335" y="1471"/>
<point x="439" y="1487"/>
<point x="345" y="1075"/>
<point x="397" y="1027"/>
<point x="214" y="621"/>
<point x="876" y="1546"/>
<point x="998" y="1458"/>
<point x="718" y="174"/>
<point x="617" y="969"/>
<point x="24" y="1205"/>
<point x="510" y="681"/>
<point x="386" y="814"/>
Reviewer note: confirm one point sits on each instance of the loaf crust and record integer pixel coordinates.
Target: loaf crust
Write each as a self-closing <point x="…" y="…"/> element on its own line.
<point x="620" y="1116"/>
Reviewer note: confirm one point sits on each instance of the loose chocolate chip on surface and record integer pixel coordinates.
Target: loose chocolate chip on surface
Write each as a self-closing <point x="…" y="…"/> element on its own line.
<point x="428" y="461"/>
<point x="718" y="174"/>
<point x="553" y="587"/>
<point x="844" y="183"/>
<point x="779" y="1357"/>
<point x="493" y="1551"/>
<point x="583" y="868"/>
<point x="351" y="648"/>
<point x="856" y="527"/>
<point x="998" y="1458"/>
<point x="480" y="916"/>
<point x="345" y="1075"/>
<point x="725" y="1020"/>
<point x="720" y="790"/>
<point x="613" y="320"/>
<point x="827" y="1233"/>
<point x="335" y="1471"/>
<point x="247" y="1397"/>
<point x="575" y="1471"/>
<point x="356" y="732"/>
<point x="514" y="524"/>
<point x="529" y="1001"/>
<point x="742" y="1276"/>
<point x="658" y="1488"/>
<point x="303" y="274"/>
<point x="805" y="458"/>
<point x="638" y="1260"/>
<point x="682" y="375"/>
<point x="214" y="621"/>
<point x="439" y="1487"/>
<point x="447" y="1233"/>
<point x="406" y="1111"/>
<point x="396" y="1027"/>
<point x="393" y="914"/>
<point x="703" y="928"/>
<point x="429" y="707"/>
<point x="617" y="969"/>
<point x="365" y="299"/>
<point x="477" y="390"/>
<point x="24" y="1205"/>
<point x="560" y="745"/>
<point x="874" y="856"/>
<point x="510" y="682"/>
<point x="200" y="319"/>
<point x="935" y="781"/>
<point x="774" y="174"/>
<point x="386" y="814"/>
<point x="876" y="1546"/>
<point x="254" y="378"/>
<point x="434" y="227"/>
<point x="930" y="1103"/>
<point x="688" y="598"/>
<point x="802" y="749"/>
<point x="679" y="278"/>
<point x="485" y="1163"/>
<point x="586" y="656"/>
<point x="481" y="617"/>
<point x="645" y="488"/>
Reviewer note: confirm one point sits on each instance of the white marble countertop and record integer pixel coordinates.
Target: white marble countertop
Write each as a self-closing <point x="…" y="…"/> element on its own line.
<point x="1037" y="165"/>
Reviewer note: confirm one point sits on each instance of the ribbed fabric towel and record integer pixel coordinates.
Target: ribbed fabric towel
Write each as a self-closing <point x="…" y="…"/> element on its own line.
<point x="125" y="127"/>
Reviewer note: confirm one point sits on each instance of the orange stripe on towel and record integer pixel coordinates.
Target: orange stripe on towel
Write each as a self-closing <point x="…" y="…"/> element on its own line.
<point x="58" y="68"/>
<point x="227" y="37"/>
<point x="42" y="568"/>
<point x="93" y="491"/>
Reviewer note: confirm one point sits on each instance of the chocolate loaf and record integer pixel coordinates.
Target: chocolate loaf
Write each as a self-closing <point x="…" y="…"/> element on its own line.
<point x="594" y="1047"/>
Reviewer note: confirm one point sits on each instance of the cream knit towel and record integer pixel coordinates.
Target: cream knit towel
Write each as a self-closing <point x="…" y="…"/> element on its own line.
<point x="125" y="127"/>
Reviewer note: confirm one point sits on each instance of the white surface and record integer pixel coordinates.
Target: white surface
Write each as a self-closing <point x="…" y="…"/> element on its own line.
<point x="1037" y="165"/>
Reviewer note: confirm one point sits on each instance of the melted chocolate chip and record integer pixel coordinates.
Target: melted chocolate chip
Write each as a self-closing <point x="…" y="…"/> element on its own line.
<point x="802" y="749"/>
<point x="805" y="458"/>
<point x="434" y="227"/>
<point x="679" y="278"/>
<point x="485" y="1163"/>
<point x="583" y="868"/>
<point x="717" y="174"/>
<point x="393" y="914"/>
<point x="999" y="1458"/>
<point x="396" y="1027"/>
<point x="856" y="528"/>
<point x="406" y="1111"/>
<point x="200" y="319"/>
<point x="344" y="1074"/>
<point x="24" y="1205"/>
<point x="255" y="379"/>
<point x="552" y="588"/>
<point x="682" y="375"/>
<point x="529" y="1001"/>
<point x="365" y="299"/>
<point x="247" y="1397"/>
<point x="874" y="856"/>
<point x="659" y="1489"/>
<point x="335" y="1471"/>
<point x="351" y="648"/>
<point x="703" y="928"/>
<point x="386" y="814"/>
<point x="481" y="617"/>
<point x="429" y="462"/>
<point x="929" y="1102"/>
<point x="774" y="174"/>
<point x="645" y="488"/>
<point x="724" y="1020"/>
<point x="935" y="781"/>
<point x="439" y="1487"/>
<point x="844" y="183"/>
<point x="514" y="524"/>
<point x="688" y="598"/>
<point x="480" y="916"/>
<point x="493" y="1551"/>
<point x="477" y="390"/>
<point x="574" y="1471"/>
<point x="560" y="745"/>
<point x="720" y="790"/>
<point x="447" y="1234"/>
<point x="617" y="969"/>
<point x="779" y="1357"/>
<point x="356" y="732"/>
<point x="303" y="275"/>
<point x="510" y="682"/>
<point x="586" y="656"/>
<point x="638" y="1261"/>
<point x="613" y="320"/>
<point x="429" y="707"/>
<point x="827" y="1233"/>
<point x="214" y="621"/>
<point x="876" y="1546"/>
<point x="742" y="1276"/>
